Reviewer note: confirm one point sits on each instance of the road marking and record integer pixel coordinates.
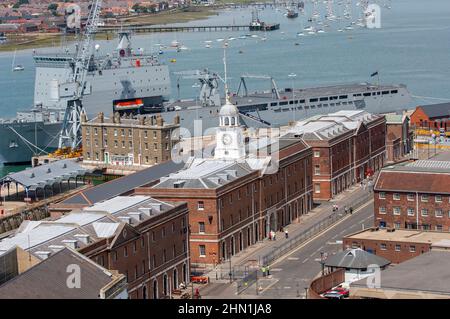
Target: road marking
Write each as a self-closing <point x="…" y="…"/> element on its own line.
<point x="305" y="260"/>
<point x="265" y="289"/>
<point x="287" y="287"/>
<point x="276" y="269"/>
<point x="293" y="258"/>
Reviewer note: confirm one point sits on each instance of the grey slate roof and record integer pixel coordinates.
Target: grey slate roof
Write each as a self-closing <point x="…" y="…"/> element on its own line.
<point x="123" y="184"/>
<point x="47" y="174"/>
<point x="427" y="272"/>
<point x="206" y="174"/>
<point x="355" y="259"/>
<point x="47" y="280"/>
<point x="437" y="110"/>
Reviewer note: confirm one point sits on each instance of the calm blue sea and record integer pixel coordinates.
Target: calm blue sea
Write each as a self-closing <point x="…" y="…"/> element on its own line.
<point x="412" y="47"/>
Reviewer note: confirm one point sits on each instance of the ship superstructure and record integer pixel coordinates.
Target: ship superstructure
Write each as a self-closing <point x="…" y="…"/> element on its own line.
<point x="114" y="82"/>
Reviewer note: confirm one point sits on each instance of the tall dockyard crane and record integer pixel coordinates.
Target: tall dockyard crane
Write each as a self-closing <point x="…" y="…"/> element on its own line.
<point x="70" y="135"/>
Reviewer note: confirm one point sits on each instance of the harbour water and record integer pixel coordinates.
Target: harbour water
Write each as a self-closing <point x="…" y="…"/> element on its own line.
<point x="412" y="48"/>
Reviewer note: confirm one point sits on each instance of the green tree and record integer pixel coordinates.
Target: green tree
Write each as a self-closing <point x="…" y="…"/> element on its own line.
<point x="52" y="7"/>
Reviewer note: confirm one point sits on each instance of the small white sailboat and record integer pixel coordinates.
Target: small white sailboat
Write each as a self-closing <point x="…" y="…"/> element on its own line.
<point x="18" y="67"/>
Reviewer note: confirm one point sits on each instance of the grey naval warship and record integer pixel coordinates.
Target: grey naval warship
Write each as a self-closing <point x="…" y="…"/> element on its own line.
<point x="123" y="80"/>
<point x="275" y="108"/>
<point x="132" y="82"/>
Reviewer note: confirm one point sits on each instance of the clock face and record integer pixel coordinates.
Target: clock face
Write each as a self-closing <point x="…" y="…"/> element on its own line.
<point x="227" y="139"/>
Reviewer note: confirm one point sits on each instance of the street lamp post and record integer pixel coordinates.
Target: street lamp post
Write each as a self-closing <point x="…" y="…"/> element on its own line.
<point x="322" y="263"/>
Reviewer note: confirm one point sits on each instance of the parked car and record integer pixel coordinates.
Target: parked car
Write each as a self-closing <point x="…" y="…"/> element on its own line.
<point x="333" y="295"/>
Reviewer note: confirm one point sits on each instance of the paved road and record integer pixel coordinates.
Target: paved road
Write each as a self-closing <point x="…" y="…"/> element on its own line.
<point x="291" y="275"/>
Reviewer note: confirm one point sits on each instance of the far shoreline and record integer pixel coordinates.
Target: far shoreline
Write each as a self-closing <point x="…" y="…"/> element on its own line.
<point x="42" y="40"/>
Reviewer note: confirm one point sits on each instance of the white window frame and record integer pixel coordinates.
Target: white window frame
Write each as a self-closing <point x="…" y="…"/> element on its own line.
<point x="397" y="211"/>
<point x="409" y="211"/>
<point x="382" y="212"/>
<point x="396" y="196"/>
<point x="382" y="195"/>
<point x="410" y="197"/>
<point x="202" y="255"/>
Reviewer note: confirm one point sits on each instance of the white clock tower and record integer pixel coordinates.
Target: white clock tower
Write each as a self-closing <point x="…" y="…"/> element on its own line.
<point x="229" y="139"/>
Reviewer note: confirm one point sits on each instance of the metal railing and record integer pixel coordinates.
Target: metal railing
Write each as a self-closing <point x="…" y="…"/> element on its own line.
<point x="298" y="239"/>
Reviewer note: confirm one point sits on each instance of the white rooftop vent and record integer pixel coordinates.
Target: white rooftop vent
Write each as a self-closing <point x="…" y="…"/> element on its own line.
<point x="136" y="215"/>
<point x="215" y="180"/>
<point x="232" y="172"/>
<point x="223" y="176"/>
<point x="125" y="219"/>
<point x="72" y="243"/>
<point x="56" y="248"/>
<point x="146" y="210"/>
<point x="179" y="184"/>
<point x="43" y="254"/>
<point x="156" y="206"/>
<point x="84" y="238"/>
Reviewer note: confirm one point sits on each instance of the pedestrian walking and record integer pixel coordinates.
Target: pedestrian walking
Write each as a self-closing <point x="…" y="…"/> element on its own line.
<point x="263" y="270"/>
<point x="345" y="210"/>
<point x="286" y="233"/>
<point x="274" y="236"/>
<point x="351" y="210"/>
<point x="268" y="270"/>
<point x="270" y="235"/>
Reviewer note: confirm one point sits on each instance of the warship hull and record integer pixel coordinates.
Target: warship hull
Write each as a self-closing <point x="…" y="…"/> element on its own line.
<point x="15" y="137"/>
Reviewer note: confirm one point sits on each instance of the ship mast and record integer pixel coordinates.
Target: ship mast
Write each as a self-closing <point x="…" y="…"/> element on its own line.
<point x="71" y="131"/>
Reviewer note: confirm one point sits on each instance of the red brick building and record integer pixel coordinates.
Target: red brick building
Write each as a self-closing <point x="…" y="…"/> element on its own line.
<point x="397" y="245"/>
<point x="234" y="198"/>
<point x="432" y="117"/>
<point x="233" y="205"/>
<point x="399" y="138"/>
<point x="348" y="146"/>
<point x="144" y="239"/>
<point x="414" y="196"/>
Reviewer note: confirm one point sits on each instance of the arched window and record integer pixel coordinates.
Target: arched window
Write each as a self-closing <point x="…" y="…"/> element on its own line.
<point x="155" y="289"/>
<point x="175" y="279"/>
<point x="227" y="121"/>
<point x="144" y="292"/>
<point x="165" y="285"/>
<point x="233" y="121"/>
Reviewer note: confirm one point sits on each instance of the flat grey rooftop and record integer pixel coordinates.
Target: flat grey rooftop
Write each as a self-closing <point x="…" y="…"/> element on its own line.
<point x="425" y="166"/>
<point x="428" y="272"/>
